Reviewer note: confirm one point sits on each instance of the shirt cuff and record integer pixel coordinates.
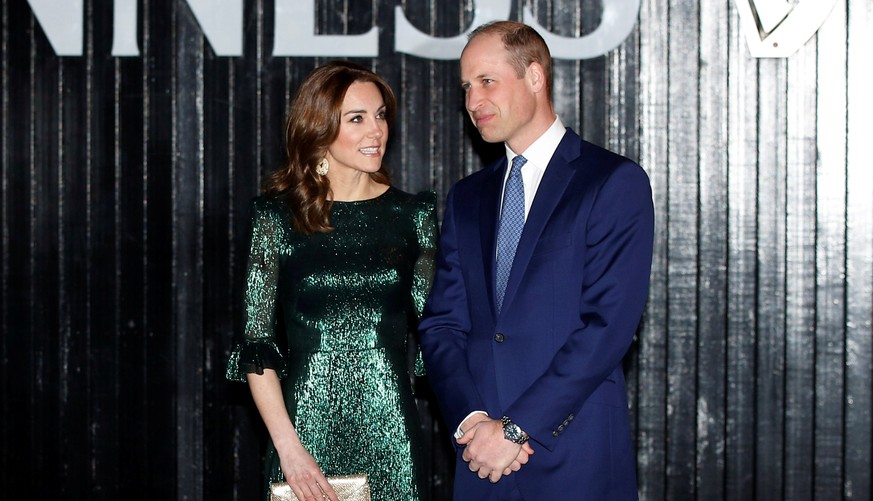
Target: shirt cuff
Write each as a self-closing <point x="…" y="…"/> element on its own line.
<point x="458" y="432"/>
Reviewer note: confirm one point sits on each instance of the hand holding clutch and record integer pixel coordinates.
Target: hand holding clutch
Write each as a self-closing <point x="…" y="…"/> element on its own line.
<point x="347" y="487"/>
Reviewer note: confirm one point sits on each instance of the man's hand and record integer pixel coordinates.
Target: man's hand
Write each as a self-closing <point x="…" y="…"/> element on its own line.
<point x="489" y="454"/>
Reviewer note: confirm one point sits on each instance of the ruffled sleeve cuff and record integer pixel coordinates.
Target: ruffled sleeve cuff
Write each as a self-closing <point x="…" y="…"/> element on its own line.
<point x="251" y="357"/>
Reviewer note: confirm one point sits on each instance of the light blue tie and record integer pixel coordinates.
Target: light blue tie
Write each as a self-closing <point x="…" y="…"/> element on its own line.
<point x="511" y="224"/>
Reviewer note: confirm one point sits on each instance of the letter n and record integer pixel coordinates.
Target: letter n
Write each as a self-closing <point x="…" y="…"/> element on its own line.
<point x="62" y="21"/>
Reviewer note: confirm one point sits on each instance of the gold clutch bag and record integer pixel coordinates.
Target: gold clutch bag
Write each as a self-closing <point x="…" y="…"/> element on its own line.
<point x="347" y="487"/>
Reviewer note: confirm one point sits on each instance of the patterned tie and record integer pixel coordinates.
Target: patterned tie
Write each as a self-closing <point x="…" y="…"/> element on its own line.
<point x="511" y="224"/>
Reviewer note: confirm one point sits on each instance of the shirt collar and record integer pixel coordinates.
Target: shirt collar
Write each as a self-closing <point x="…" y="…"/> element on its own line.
<point x="539" y="154"/>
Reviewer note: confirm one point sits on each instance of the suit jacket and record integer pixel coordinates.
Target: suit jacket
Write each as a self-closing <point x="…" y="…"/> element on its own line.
<point x="551" y="359"/>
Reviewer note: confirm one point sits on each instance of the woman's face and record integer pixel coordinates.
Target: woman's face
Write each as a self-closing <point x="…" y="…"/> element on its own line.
<point x="363" y="131"/>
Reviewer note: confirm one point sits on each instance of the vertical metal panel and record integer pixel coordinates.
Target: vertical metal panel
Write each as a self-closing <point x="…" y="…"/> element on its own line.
<point x="159" y="343"/>
<point x="103" y="277"/>
<point x="771" y="282"/>
<point x="51" y="358"/>
<point x="651" y="416"/>
<point x="830" y="255"/>
<point x="683" y="213"/>
<point x="859" y="249"/>
<point x="4" y="239"/>
<point x="38" y="344"/>
<point x="19" y="392"/>
<point x="800" y="274"/>
<point x="129" y="164"/>
<point x="187" y="235"/>
<point x="712" y="251"/>
<point x="741" y="274"/>
<point x="622" y="102"/>
<point x="591" y="90"/>
<point x="124" y="210"/>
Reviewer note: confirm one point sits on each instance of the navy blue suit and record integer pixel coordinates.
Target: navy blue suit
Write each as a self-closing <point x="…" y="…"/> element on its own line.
<point x="551" y="359"/>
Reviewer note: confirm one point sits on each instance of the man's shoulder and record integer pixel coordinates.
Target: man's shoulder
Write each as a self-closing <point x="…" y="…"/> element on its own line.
<point x="593" y="151"/>
<point x="600" y="162"/>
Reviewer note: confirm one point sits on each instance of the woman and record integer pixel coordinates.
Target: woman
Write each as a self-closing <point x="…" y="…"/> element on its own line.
<point x="347" y="261"/>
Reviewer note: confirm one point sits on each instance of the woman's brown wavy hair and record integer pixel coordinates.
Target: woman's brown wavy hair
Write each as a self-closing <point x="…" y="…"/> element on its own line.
<point x="311" y="126"/>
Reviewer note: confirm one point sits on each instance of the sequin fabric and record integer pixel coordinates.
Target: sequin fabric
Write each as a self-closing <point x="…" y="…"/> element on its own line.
<point x="347" y="301"/>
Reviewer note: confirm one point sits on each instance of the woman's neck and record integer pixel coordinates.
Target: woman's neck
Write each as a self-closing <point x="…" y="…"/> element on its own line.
<point x="359" y="186"/>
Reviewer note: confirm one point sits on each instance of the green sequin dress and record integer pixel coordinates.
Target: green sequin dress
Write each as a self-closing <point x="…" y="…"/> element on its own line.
<point x="348" y="300"/>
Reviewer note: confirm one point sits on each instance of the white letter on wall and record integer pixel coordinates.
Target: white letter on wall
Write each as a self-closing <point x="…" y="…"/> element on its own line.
<point x="408" y="40"/>
<point x="62" y="23"/>
<point x="294" y="34"/>
<point x="616" y="23"/>
<point x="124" y="20"/>
<point x="221" y="22"/>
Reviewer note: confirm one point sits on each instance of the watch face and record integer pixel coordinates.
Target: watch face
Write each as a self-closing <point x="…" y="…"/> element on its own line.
<point x="512" y="432"/>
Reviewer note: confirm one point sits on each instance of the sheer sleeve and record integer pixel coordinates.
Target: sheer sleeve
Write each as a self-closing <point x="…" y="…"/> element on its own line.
<point x="427" y="230"/>
<point x="258" y="350"/>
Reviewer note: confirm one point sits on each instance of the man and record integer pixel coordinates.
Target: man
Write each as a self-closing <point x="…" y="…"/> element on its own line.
<point x="541" y="280"/>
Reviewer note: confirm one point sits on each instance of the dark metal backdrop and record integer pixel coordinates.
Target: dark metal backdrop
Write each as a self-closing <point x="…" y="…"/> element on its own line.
<point x="123" y="205"/>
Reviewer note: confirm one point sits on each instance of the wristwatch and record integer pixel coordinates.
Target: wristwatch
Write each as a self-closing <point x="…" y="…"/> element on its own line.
<point x="512" y="432"/>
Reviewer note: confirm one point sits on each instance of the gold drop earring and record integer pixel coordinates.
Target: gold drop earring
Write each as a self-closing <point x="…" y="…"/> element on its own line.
<point x="322" y="167"/>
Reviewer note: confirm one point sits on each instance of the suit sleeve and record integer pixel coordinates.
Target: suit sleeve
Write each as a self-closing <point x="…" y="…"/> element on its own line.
<point x="618" y="254"/>
<point x="445" y="326"/>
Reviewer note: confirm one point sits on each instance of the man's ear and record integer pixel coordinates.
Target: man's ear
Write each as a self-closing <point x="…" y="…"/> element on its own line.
<point x="536" y="77"/>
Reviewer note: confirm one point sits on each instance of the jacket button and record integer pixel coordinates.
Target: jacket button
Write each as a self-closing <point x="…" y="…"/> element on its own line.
<point x="499" y="337"/>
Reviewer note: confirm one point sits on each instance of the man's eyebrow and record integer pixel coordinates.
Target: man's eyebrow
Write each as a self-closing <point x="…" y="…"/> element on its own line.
<point x="477" y="77"/>
<point x="350" y="112"/>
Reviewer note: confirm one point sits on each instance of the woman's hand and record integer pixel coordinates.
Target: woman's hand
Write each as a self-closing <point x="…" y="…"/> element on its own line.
<point x="304" y="476"/>
<point x="300" y="469"/>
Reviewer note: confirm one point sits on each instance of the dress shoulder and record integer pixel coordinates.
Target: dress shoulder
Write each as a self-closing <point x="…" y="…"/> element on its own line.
<point x="420" y="204"/>
<point x="271" y="220"/>
<point x="427" y="199"/>
<point x="269" y="207"/>
<point x="426" y="211"/>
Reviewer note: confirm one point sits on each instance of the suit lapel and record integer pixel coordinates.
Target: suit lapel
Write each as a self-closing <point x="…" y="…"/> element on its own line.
<point x="550" y="191"/>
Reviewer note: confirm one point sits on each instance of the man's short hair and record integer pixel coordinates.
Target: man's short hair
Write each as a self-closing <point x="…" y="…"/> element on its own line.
<point x="524" y="46"/>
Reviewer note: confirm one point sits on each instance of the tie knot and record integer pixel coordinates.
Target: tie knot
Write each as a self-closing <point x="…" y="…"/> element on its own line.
<point x="518" y="162"/>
